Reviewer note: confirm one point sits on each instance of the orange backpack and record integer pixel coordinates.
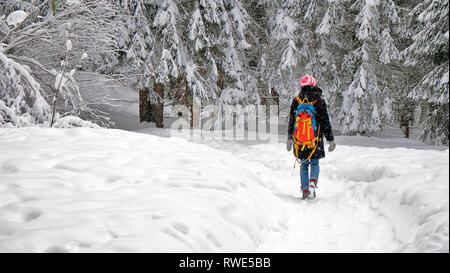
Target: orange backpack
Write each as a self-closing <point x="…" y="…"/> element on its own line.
<point x="306" y="132"/>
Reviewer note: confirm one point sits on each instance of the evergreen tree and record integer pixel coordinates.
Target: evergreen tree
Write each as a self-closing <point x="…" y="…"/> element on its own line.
<point x="285" y="50"/>
<point x="332" y="45"/>
<point x="361" y="100"/>
<point x="428" y="54"/>
<point x="135" y="42"/>
<point x="240" y="85"/>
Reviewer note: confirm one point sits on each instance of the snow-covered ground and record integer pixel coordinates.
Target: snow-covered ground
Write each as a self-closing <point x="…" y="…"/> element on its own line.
<point x="90" y="190"/>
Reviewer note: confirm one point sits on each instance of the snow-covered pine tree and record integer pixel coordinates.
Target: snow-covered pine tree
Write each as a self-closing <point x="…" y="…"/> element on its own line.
<point x="135" y="43"/>
<point x="339" y="59"/>
<point x="428" y="55"/>
<point x="368" y="100"/>
<point x="200" y="51"/>
<point x="311" y="13"/>
<point x="188" y="49"/>
<point x="361" y="100"/>
<point x="203" y="41"/>
<point x="282" y="57"/>
<point x="231" y="42"/>
<point x="169" y="54"/>
<point x="396" y="78"/>
<point x="332" y="45"/>
<point x="258" y="38"/>
<point x="135" y="58"/>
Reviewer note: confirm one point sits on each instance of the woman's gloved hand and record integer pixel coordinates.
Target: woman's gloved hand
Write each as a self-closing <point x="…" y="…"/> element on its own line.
<point x="332" y="146"/>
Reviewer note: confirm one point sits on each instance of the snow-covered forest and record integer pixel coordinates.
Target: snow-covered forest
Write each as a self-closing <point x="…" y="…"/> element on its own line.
<point x="380" y="63"/>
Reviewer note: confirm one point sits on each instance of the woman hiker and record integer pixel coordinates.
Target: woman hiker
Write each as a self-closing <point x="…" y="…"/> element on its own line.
<point x="309" y="122"/>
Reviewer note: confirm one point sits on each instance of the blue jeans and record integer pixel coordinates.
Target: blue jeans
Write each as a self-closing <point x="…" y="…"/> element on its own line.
<point x="305" y="177"/>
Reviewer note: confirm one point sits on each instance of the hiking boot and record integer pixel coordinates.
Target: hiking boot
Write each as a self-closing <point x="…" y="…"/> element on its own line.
<point x="313" y="182"/>
<point x="306" y="194"/>
<point x="312" y="190"/>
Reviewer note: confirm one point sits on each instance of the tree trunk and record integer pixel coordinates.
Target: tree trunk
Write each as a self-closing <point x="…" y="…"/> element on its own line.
<point x="407" y="117"/>
<point x="220" y="80"/>
<point x="186" y="99"/>
<point x="159" y="106"/>
<point x="404" y="124"/>
<point x="276" y="99"/>
<point x="145" y="108"/>
<point x="191" y="106"/>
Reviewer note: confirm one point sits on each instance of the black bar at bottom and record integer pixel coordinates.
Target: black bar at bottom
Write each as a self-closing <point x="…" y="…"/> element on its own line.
<point x="224" y="262"/>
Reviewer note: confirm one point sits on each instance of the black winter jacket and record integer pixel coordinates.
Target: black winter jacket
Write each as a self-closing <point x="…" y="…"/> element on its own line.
<point x="322" y="118"/>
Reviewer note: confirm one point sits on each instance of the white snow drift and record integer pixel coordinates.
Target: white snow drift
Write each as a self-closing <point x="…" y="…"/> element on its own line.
<point x="91" y="190"/>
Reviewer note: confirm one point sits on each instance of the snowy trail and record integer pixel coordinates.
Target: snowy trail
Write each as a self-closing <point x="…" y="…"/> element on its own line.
<point x="335" y="222"/>
<point x="96" y="190"/>
<point x="356" y="210"/>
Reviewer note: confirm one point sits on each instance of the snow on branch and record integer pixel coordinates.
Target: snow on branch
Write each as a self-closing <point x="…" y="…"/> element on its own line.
<point x="32" y="44"/>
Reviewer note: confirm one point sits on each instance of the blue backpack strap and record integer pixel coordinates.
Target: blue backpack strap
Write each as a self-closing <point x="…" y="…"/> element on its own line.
<point x="314" y="118"/>
<point x="300" y="102"/>
<point x="309" y="107"/>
